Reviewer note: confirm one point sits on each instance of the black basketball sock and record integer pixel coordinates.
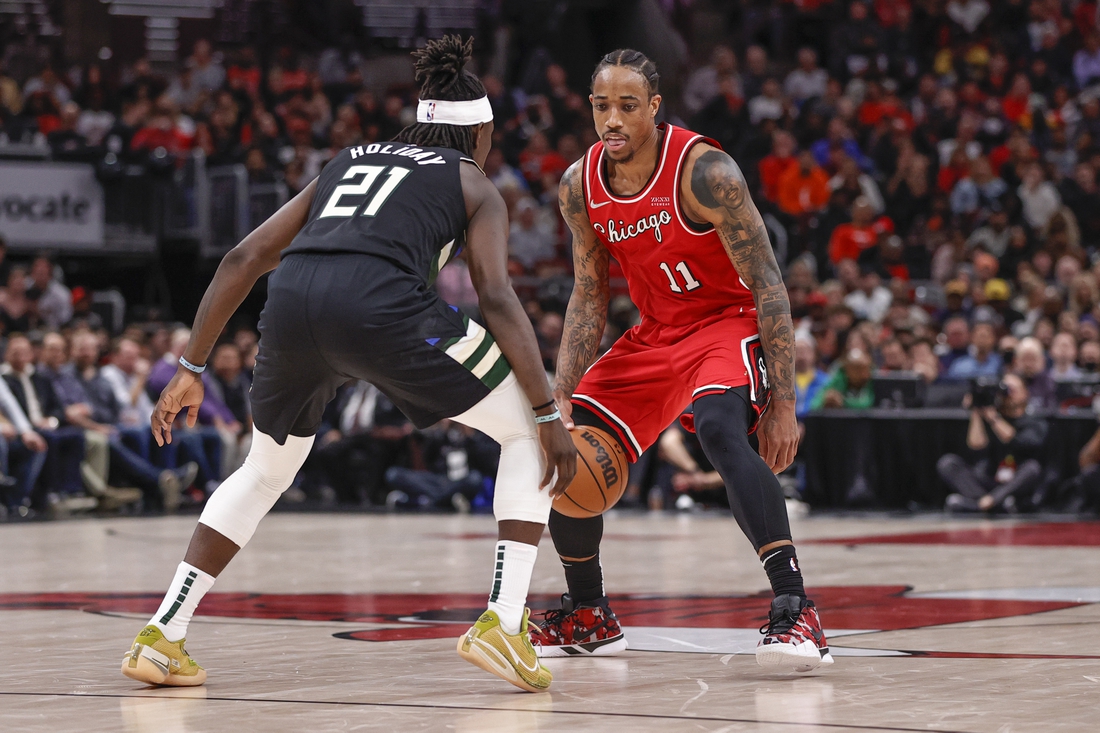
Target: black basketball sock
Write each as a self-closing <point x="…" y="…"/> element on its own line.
<point x="579" y="538"/>
<point x="781" y="565"/>
<point x="585" y="580"/>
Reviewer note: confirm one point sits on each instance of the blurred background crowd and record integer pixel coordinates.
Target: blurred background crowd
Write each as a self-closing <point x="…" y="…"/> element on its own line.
<point x="927" y="169"/>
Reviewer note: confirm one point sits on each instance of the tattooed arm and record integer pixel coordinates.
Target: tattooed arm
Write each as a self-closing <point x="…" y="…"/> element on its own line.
<point x="715" y="191"/>
<point x="587" y="312"/>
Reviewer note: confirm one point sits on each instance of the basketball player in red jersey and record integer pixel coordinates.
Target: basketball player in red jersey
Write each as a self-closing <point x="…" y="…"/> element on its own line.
<point x="674" y="210"/>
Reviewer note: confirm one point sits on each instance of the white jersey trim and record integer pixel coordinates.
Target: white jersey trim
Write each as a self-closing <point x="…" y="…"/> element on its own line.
<point x="676" y="201"/>
<point x="652" y="181"/>
<point x="604" y="412"/>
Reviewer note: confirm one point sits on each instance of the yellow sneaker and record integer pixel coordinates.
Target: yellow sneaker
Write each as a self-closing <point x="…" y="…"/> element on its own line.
<point x="510" y="657"/>
<point x="156" y="661"/>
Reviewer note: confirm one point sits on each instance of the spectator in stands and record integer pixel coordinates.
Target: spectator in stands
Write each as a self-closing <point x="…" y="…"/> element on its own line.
<point x="39" y="402"/>
<point x="924" y="360"/>
<point x="1086" y="62"/>
<point x="849" y="240"/>
<point x="127" y="374"/>
<point x="857" y="183"/>
<point x="53" y="301"/>
<point x="872" y="300"/>
<point x="850" y="385"/>
<point x="1088" y="358"/>
<point x="808" y="80"/>
<point x="1008" y="442"/>
<point x="997" y="297"/>
<point x="995" y="235"/>
<point x="531" y="238"/>
<point x="982" y="360"/>
<point x="231" y="386"/>
<point x="1030" y="365"/>
<point x="773" y="166"/>
<point x="206" y="71"/>
<point x="22" y="454"/>
<point x="707" y="82"/>
<point x="1063" y="356"/>
<point x="809" y="379"/>
<point x="1039" y="197"/>
<point x="894" y="358"/>
<point x="769" y="104"/>
<point x="804" y="188"/>
<point x="454" y="470"/>
<point x="956" y="333"/>
<point x="90" y="404"/>
<point x="839" y="137"/>
<point x="18" y="313"/>
<point x="363" y="437"/>
<point x="981" y="188"/>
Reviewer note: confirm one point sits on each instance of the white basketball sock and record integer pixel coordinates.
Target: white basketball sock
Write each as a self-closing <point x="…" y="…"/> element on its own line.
<point x="515" y="562"/>
<point x="187" y="589"/>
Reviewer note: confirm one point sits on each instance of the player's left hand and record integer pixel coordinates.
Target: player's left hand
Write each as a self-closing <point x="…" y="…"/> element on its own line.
<point x="185" y="391"/>
<point x="560" y="454"/>
<point x="778" y="433"/>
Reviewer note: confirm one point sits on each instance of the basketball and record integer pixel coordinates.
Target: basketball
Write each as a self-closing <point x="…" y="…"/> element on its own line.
<point x="602" y="472"/>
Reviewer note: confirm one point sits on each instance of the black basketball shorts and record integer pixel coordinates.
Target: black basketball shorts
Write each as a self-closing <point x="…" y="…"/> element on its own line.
<point x="331" y="318"/>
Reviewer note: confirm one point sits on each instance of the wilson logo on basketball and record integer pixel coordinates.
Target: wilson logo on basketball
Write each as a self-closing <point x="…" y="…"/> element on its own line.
<point x="603" y="459"/>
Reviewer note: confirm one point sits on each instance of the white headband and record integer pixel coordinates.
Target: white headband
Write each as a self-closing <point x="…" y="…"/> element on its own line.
<point x="441" y="112"/>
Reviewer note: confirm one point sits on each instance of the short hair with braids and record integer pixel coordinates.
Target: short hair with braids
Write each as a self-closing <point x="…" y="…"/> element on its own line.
<point x="635" y="61"/>
<point x="441" y="74"/>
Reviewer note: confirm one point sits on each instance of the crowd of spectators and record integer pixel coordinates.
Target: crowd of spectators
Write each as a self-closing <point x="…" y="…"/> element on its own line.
<point x="928" y="171"/>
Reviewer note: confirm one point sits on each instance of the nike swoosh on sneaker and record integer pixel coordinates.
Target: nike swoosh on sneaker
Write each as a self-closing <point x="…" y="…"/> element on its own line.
<point x="520" y="662"/>
<point x="593" y="205"/>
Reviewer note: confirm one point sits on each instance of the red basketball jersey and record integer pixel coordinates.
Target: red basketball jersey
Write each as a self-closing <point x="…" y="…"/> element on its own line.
<point x="678" y="273"/>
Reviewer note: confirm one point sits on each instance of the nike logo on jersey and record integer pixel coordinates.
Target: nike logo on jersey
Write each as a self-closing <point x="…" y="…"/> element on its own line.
<point x="594" y="205"/>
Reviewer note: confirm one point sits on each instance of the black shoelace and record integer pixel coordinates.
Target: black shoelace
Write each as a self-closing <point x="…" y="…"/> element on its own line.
<point x="780" y="624"/>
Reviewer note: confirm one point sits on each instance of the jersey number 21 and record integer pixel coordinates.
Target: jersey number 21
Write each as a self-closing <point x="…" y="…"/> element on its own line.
<point x="370" y="174"/>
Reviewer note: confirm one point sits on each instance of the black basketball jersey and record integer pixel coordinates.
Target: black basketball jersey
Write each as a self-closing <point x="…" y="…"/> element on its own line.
<point x="389" y="200"/>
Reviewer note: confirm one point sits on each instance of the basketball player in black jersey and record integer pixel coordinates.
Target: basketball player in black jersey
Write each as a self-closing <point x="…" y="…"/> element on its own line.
<point x="354" y="256"/>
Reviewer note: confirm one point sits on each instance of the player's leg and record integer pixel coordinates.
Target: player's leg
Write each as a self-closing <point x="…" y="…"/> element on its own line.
<point x="225" y="526"/>
<point x="631" y="395"/>
<point x="723" y="421"/>
<point x="293" y="383"/>
<point x="499" y="639"/>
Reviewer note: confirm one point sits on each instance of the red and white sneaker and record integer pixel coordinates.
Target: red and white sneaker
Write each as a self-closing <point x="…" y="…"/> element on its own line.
<point x="793" y="640"/>
<point x="588" y="630"/>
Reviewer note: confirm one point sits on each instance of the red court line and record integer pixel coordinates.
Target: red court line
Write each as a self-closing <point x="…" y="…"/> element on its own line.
<point x="1040" y="534"/>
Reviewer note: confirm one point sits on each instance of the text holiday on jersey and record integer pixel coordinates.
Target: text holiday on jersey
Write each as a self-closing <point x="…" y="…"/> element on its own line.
<point x="422" y="157"/>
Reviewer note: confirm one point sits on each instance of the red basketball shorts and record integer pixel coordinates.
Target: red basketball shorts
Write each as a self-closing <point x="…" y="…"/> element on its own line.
<point x="643" y="384"/>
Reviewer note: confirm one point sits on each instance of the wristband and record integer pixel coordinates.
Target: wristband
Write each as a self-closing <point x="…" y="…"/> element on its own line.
<point x="543" y="407"/>
<point x="555" y="415"/>
<point x="191" y="367"/>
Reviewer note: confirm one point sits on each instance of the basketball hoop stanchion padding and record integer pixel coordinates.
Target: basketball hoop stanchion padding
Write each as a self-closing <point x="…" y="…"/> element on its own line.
<point x="602" y="474"/>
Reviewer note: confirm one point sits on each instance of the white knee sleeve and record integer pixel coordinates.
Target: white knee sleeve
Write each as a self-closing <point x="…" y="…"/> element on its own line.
<point x="505" y="415"/>
<point x="237" y="506"/>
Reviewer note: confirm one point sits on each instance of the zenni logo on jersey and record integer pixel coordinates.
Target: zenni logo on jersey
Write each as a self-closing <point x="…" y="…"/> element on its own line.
<point x="621" y="233"/>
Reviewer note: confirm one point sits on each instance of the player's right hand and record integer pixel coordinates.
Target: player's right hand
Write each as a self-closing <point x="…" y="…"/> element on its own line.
<point x="560" y="454"/>
<point x="185" y="391"/>
<point x="565" y="407"/>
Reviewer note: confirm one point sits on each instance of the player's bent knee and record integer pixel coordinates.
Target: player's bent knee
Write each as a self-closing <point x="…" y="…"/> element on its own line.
<point x="518" y="494"/>
<point x="237" y="506"/>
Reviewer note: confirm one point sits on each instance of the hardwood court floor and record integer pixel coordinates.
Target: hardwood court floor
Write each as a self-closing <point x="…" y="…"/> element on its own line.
<point x="348" y="623"/>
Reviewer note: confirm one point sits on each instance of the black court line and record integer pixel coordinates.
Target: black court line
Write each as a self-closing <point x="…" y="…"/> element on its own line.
<point x="480" y="708"/>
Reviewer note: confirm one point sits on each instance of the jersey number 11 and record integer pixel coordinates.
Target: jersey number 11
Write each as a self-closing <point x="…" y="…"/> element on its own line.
<point x="690" y="283"/>
<point x="370" y="173"/>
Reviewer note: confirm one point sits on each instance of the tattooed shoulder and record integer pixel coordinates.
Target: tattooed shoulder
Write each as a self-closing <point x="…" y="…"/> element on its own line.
<point x="571" y="191"/>
<point x="717" y="182"/>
